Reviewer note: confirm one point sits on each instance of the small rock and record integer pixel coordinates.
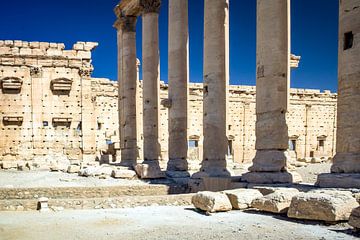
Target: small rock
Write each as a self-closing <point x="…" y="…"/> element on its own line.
<point x="43" y="204"/>
<point x="323" y="205"/>
<point x="123" y="174"/>
<point x="73" y="169"/>
<point x="277" y="202"/>
<point x="300" y="164"/>
<point x="354" y="219"/>
<point x="9" y="165"/>
<point x="242" y="198"/>
<point x="211" y="201"/>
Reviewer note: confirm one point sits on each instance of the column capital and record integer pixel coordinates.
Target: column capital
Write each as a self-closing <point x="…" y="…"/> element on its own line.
<point x="129" y="23"/>
<point x="150" y="6"/>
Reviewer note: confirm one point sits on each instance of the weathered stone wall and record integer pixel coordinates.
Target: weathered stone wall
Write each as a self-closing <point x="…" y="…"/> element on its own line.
<point x="42" y="101"/>
<point x="52" y="110"/>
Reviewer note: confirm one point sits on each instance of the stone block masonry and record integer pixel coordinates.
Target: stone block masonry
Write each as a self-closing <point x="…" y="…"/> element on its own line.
<point x="46" y="99"/>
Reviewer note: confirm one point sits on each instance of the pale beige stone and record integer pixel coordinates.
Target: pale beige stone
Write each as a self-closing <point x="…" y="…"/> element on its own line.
<point x="216" y="81"/>
<point x="272" y="86"/>
<point x="330" y="206"/>
<point x="178" y="85"/>
<point x="211" y="202"/>
<point x="347" y="158"/>
<point x="277" y="202"/>
<point x="242" y="198"/>
<point x="9" y="164"/>
<point x="149" y="171"/>
<point x="123" y="174"/>
<point x="73" y="169"/>
<point x="151" y="86"/>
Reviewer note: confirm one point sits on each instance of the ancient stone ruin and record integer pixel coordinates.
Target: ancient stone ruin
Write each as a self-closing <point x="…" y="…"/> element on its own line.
<point x="186" y="137"/>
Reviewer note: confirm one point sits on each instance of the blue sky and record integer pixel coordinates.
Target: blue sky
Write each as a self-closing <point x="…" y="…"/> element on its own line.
<point x="314" y="35"/>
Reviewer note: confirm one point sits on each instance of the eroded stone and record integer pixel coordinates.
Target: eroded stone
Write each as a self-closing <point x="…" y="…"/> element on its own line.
<point x="330" y="206"/>
<point x="242" y="198"/>
<point x="211" y="201"/>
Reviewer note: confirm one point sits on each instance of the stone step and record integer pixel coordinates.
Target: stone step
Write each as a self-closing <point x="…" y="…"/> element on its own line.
<point x="90" y="192"/>
<point x="98" y="203"/>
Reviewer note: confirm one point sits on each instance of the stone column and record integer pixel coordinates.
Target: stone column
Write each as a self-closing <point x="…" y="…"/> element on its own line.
<point x="178" y="84"/>
<point x="151" y="89"/>
<point x="346" y="167"/>
<point x="119" y="28"/>
<point x="129" y="154"/>
<point x="216" y="81"/>
<point x="272" y="92"/>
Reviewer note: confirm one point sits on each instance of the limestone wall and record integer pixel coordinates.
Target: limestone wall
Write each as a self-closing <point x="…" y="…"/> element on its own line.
<point x="42" y="100"/>
<point x="52" y="110"/>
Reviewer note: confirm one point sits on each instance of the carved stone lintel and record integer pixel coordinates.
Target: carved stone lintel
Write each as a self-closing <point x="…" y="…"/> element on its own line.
<point x="129" y="23"/>
<point x="35" y="71"/>
<point x="150" y="6"/>
<point x="85" y="72"/>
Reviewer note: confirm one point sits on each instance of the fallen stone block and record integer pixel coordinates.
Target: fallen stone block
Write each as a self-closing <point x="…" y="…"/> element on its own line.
<point x="9" y="165"/>
<point x="338" y="180"/>
<point x="73" y="169"/>
<point x="354" y="219"/>
<point x="43" y="205"/>
<point x="276" y="202"/>
<point x="325" y="205"/>
<point x="123" y="174"/>
<point x="211" y="202"/>
<point x="149" y="171"/>
<point x="242" y="198"/>
<point x="95" y="171"/>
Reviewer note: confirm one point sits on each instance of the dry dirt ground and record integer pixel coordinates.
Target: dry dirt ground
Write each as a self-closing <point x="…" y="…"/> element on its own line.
<point x="161" y="223"/>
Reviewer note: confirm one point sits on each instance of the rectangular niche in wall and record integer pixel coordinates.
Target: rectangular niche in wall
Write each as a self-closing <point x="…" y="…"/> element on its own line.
<point x="11" y="85"/>
<point x="62" y="122"/>
<point x="13" y="120"/>
<point x="61" y="86"/>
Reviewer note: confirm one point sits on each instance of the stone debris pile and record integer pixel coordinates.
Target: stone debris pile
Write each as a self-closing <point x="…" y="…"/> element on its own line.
<point x="330" y="206"/>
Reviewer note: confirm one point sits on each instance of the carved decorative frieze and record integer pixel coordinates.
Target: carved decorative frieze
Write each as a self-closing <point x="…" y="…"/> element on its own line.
<point x="61" y="84"/>
<point x="150" y="6"/>
<point x="13" y="120"/>
<point x="11" y="84"/>
<point x="35" y="71"/>
<point x="85" y="72"/>
<point x="129" y="24"/>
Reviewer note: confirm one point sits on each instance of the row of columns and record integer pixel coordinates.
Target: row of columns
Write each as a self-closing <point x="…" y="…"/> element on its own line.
<point x="272" y="98"/>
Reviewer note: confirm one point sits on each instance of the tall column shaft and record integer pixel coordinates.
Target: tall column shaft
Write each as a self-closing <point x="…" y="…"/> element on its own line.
<point x="178" y="84"/>
<point x="130" y="92"/>
<point x="347" y="158"/>
<point x="119" y="28"/>
<point x="272" y="85"/>
<point x="151" y="85"/>
<point x="216" y="81"/>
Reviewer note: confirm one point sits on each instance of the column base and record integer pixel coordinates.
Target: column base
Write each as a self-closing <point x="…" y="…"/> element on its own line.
<point x="346" y="163"/>
<point x="149" y="170"/>
<point x="338" y="180"/>
<point x="267" y="177"/>
<point x="269" y="161"/>
<point x="177" y="165"/>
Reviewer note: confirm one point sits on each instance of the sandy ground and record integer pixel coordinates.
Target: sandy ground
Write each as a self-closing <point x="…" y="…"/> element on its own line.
<point x="161" y="223"/>
<point x="57" y="179"/>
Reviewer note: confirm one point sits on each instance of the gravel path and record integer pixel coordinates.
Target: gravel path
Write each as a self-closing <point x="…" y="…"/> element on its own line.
<point x="160" y="223"/>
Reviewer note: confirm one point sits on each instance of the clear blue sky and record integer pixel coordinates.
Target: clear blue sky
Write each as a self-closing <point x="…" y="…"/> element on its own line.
<point x="314" y="35"/>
